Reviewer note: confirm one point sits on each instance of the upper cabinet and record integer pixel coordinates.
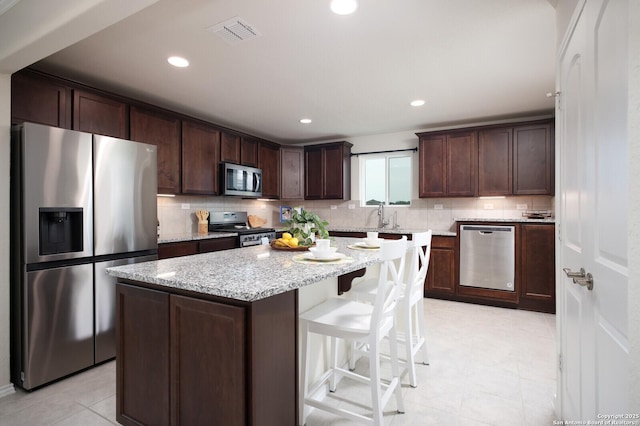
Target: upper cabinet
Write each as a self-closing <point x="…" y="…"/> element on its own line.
<point x="269" y="162"/>
<point x="448" y="162"/>
<point x="249" y="151"/>
<point x="292" y="176"/>
<point x="163" y="130"/>
<point x="328" y="171"/>
<point x="103" y="115"/>
<point x="40" y="100"/>
<point x="200" y="158"/>
<point x="514" y="159"/>
<point x="189" y="150"/>
<point x="533" y="159"/>
<point x="495" y="168"/>
<point x="230" y="147"/>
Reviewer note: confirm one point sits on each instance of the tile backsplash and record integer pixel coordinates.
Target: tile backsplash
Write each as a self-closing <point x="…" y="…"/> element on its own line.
<point x="177" y="215"/>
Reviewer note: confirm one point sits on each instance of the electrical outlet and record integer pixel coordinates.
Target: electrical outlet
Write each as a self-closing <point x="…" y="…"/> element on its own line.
<point x="488" y="206"/>
<point x="352" y="206"/>
<point x="186" y="206"/>
<point x="437" y="206"/>
<point x="334" y="207"/>
<point x="521" y="206"/>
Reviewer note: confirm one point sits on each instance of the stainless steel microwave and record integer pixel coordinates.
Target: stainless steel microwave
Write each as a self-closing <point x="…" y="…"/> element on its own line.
<point x="241" y="181"/>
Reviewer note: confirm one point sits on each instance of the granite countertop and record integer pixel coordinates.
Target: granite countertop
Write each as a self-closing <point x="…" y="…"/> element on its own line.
<point x="390" y="231"/>
<point x="510" y="220"/>
<point x="247" y="274"/>
<point x="192" y="236"/>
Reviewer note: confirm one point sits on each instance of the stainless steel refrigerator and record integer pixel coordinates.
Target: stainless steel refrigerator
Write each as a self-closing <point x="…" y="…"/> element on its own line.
<point x="79" y="204"/>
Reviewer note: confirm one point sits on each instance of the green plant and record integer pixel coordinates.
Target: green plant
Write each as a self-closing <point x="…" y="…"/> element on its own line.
<point x="305" y="226"/>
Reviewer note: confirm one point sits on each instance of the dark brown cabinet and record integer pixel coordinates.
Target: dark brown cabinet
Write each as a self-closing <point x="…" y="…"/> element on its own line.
<point x="292" y="176"/>
<point x="495" y="165"/>
<point x="142" y="398"/>
<point x="448" y="164"/>
<point x="187" y="248"/>
<point x="537" y="267"/>
<point x="514" y="159"/>
<point x="40" y="100"/>
<point x="441" y="275"/>
<point x="163" y="130"/>
<point x="533" y="159"/>
<point x="249" y="152"/>
<point x="230" y="149"/>
<point x="208" y="360"/>
<point x="103" y="115"/>
<point x="200" y="158"/>
<point x="328" y="171"/>
<point x="269" y="162"/>
<point x="535" y="284"/>
<point x="208" y="373"/>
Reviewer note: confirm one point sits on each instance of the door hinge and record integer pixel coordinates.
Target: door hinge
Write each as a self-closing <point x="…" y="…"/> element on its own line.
<point x="560" y="362"/>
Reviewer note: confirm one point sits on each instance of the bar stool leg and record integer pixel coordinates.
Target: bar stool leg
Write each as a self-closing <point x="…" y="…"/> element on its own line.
<point x="303" y="374"/>
<point x="334" y="363"/>
<point x="395" y="368"/>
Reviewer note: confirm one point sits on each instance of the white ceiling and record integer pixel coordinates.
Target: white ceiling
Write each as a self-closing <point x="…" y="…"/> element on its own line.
<point x="353" y="75"/>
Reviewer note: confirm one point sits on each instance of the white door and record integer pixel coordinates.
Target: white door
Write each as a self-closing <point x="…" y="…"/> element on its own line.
<point x="592" y="205"/>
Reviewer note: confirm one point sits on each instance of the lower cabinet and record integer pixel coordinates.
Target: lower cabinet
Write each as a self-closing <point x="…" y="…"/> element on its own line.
<point x="187" y="248"/>
<point x="537" y="268"/>
<point x="184" y="360"/>
<point x="441" y="275"/>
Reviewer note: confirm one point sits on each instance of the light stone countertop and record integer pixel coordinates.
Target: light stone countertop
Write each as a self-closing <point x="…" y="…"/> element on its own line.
<point x="246" y="274"/>
<point x="192" y="236"/>
<point x="511" y="220"/>
<point x="406" y="231"/>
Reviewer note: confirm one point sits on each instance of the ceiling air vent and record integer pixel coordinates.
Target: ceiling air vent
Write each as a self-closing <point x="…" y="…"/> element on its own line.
<point x="234" y="30"/>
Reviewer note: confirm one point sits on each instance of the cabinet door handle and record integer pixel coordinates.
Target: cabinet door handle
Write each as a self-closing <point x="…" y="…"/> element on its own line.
<point x="580" y="274"/>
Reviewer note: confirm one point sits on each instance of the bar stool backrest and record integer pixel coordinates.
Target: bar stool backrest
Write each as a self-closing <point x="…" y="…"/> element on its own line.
<point x="392" y="254"/>
<point x="421" y="253"/>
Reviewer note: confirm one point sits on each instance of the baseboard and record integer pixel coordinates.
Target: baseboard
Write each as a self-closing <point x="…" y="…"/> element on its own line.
<point x="7" y="390"/>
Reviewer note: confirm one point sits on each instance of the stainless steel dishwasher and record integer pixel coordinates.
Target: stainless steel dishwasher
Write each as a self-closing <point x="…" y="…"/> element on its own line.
<point x="487" y="256"/>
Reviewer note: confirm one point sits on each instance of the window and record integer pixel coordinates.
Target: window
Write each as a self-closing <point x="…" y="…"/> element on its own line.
<point x="385" y="179"/>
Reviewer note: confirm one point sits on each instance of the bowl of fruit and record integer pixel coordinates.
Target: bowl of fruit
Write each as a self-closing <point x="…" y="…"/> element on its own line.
<point x="287" y="242"/>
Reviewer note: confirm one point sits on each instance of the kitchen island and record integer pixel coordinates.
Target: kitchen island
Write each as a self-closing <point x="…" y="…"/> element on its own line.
<point x="213" y="338"/>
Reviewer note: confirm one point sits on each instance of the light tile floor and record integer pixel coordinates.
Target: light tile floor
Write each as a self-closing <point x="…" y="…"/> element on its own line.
<point x="488" y="366"/>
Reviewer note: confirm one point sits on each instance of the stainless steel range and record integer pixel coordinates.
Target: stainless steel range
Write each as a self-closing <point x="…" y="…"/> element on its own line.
<point x="238" y="222"/>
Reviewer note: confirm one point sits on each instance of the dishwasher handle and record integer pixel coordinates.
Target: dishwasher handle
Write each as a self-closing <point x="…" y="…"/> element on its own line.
<point x="487" y="230"/>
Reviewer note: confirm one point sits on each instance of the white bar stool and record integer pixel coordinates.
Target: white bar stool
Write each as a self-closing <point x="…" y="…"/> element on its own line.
<point x="410" y="307"/>
<point x="362" y="322"/>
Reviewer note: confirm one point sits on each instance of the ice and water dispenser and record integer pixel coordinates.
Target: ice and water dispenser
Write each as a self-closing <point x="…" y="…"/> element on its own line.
<point x="60" y="230"/>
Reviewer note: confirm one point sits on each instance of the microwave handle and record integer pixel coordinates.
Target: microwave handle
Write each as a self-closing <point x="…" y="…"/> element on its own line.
<point x="256" y="182"/>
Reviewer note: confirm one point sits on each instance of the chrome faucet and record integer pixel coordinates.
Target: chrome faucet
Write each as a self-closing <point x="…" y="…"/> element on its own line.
<point x="381" y="222"/>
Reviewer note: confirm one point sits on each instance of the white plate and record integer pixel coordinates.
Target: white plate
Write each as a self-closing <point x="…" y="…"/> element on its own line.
<point x="365" y="245"/>
<point x="333" y="256"/>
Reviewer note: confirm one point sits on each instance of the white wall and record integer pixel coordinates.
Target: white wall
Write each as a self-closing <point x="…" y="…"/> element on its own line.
<point x="5" y="139"/>
<point x="634" y="204"/>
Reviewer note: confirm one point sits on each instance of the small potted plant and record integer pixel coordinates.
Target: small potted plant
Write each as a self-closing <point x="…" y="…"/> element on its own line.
<point x="306" y="226"/>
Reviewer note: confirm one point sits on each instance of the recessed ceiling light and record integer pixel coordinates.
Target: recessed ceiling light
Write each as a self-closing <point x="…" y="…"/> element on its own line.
<point x="305" y="120"/>
<point x="177" y="61"/>
<point x="344" y="7"/>
<point x="417" y="103"/>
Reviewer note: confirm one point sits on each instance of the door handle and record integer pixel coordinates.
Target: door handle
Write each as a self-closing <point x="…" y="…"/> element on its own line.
<point x="581" y="278"/>
<point x="580" y="274"/>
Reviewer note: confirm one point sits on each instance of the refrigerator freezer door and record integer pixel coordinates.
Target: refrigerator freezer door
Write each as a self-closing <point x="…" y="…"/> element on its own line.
<point x="58" y="320"/>
<point x="56" y="173"/>
<point x="125" y="187"/>
<point x="105" y="312"/>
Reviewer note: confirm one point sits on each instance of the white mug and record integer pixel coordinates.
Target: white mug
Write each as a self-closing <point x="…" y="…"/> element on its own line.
<point x="323" y="244"/>
<point x="372" y="235"/>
